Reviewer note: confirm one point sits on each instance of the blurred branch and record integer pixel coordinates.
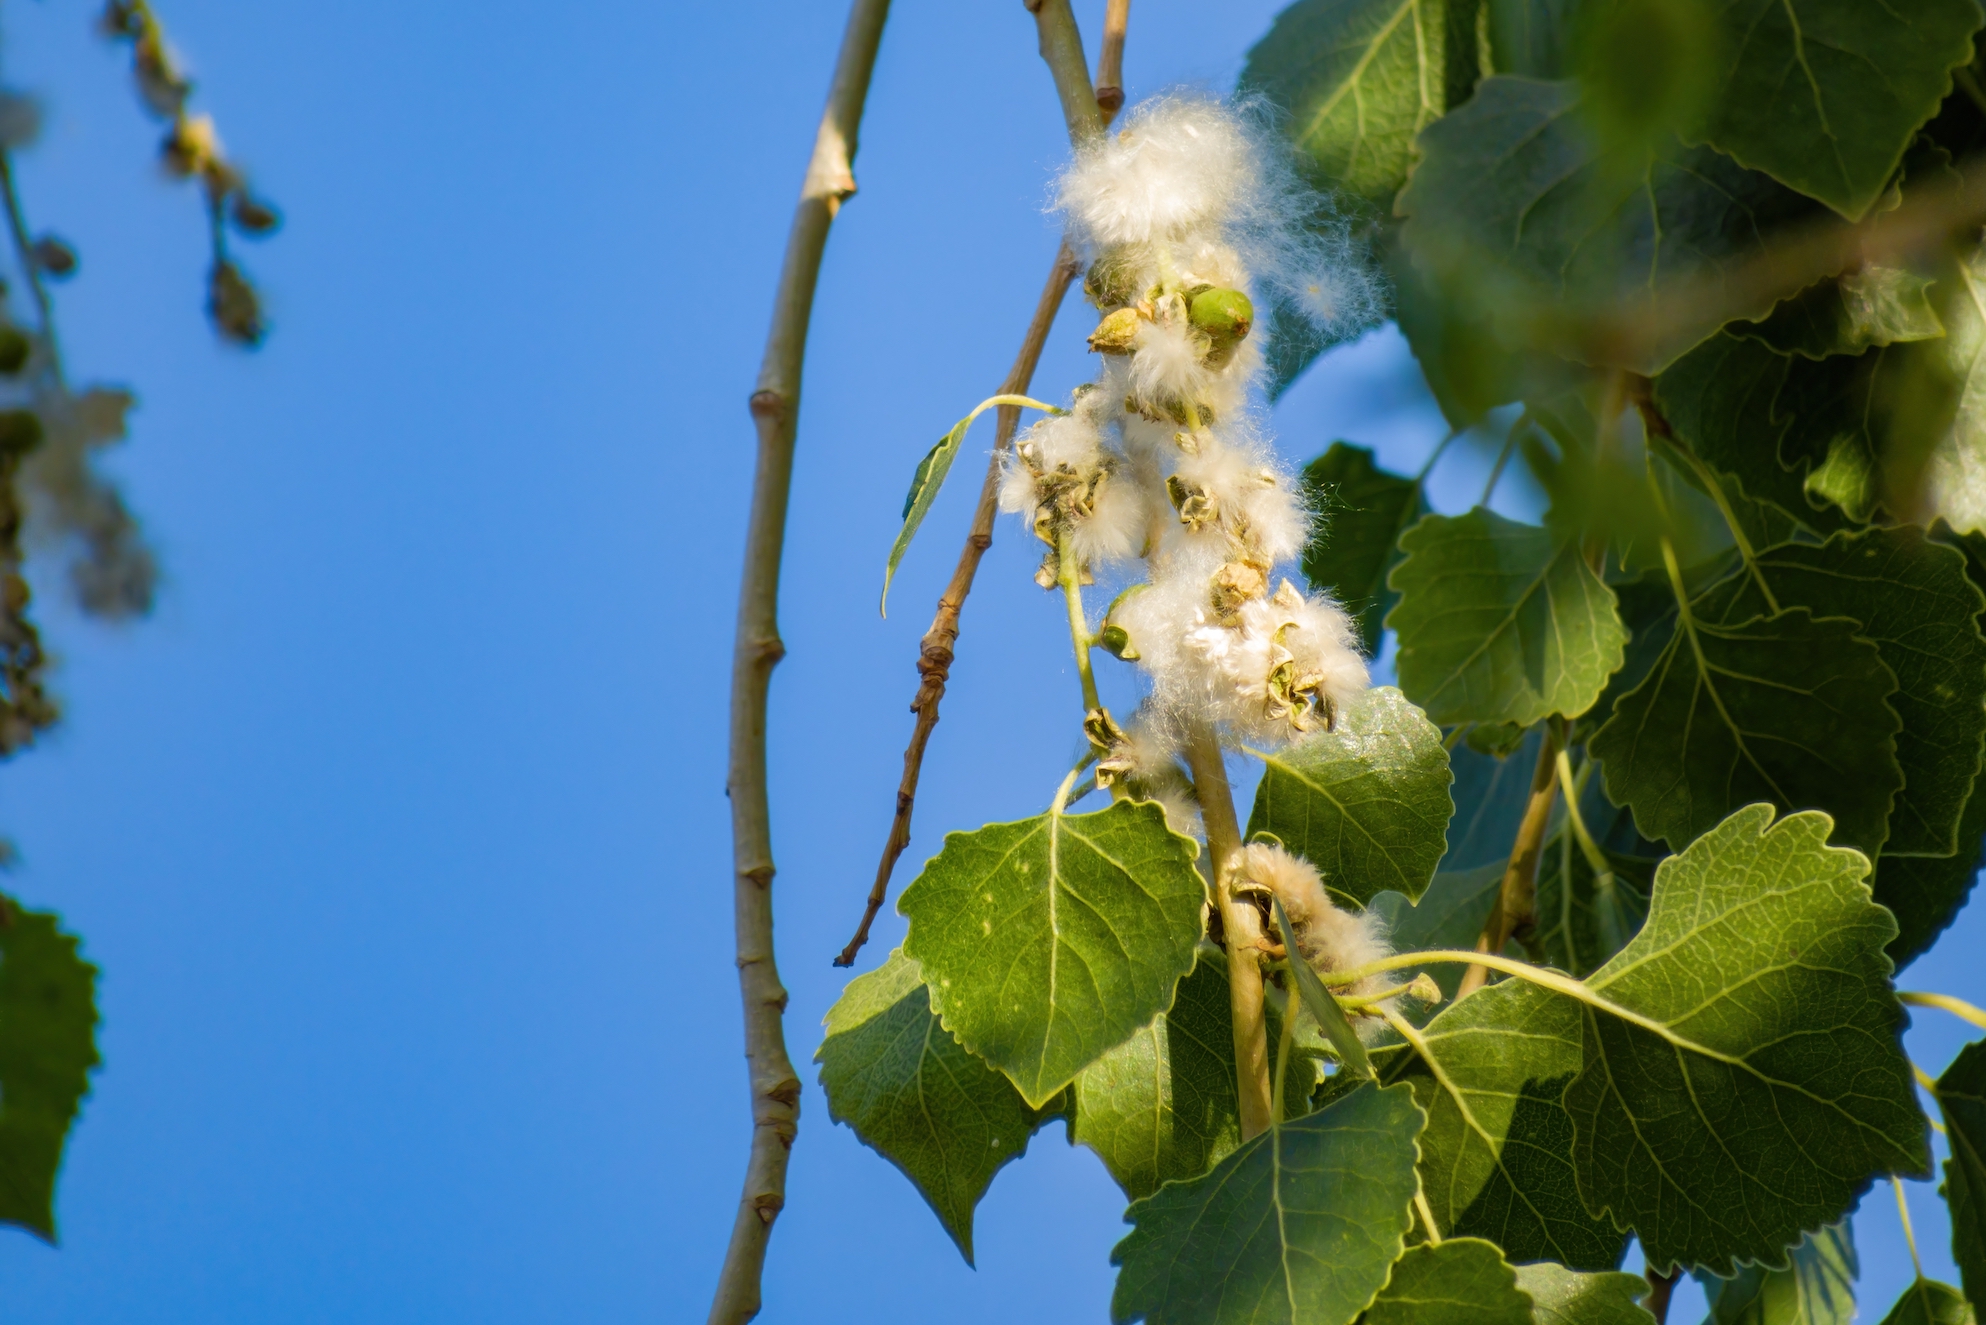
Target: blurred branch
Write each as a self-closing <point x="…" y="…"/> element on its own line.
<point x="935" y="651"/>
<point x="775" y="1087"/>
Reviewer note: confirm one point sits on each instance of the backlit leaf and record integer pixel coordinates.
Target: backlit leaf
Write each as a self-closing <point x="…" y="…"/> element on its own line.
<point x="1499" y="624"/>
<point x="1367" y="803"/>
<point x="1049" y="941"/>
<point x="1849" y="314"/>
<point x="1298" y="1227"/>
<point x="1788" y="709"/>
<point x="1581" y="926"/>
<point x="1928" y="1302"/>
<point x="1816" y="1288"/>
<point x="1761" y="1086"/>
<point x="911" y="1093"/>
<point x="1962" y="1100"/>
<point x="1563" y="1297"/>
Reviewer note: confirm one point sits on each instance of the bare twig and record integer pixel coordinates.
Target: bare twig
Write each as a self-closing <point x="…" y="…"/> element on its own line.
<point x="935" y="651"/>
<point x="1110" y="65"/>
<point x="1516" y="901"/>
<point x="1062" y="51"/>
<point x="1661" y="1287"/>
<point x="1241" y="924"/>
<point x="934" y="654"/>
<point x="775" y="1087"/>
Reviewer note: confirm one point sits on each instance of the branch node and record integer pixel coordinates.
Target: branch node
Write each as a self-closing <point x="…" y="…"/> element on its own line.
<point x="768" y="404"/>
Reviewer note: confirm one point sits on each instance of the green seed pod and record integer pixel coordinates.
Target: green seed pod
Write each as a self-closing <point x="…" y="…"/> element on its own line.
<point x="1223" y="317"/>
<point x="1117" y="333"/>
<point x="1115" y="640"/>
<point x="15" y="347"/>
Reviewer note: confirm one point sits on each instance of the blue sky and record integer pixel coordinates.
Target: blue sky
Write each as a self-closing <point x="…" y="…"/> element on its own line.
<point x="399" y="831"/>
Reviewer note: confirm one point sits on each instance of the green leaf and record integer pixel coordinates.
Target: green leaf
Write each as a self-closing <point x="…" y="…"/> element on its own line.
<point x="1955" y="470"/>
<point x="1359" y="78"/>
<point x="1329" y="1016"/>
<point x="1463" y="1281"/>
<point x="1366" y="803"/>
<point x="48" y="1021"/>
<point x="1496" y="1158"/>
<point x="1853" y="420"/>
<point x="1764" y="1044"/>
<point x="1849" y="314"/>
<point x="1161" y="1107"/>
<point x="1581" y="926"/>
<point x="1490" y="795"/>
<point x="1048" y="941"/>
<point x="1531" y="37"/>
<point x="1825" y="95"/>
<point x="1914" y="602"/>
<point x="1928" y="1302"/>
<point x="1498" y="624"/>
<point x="1789" y="709"/>
<point x="1720" y="400"/>
<point x="1563" y="1297"/>
<point x="1363" y="508"/>
<point x="1514" y="195"/>
<point x="1297" y="1227"/>
<point x="1925" y="893"/>
<point x="916" y="1097"/>
<point x="1961" y="1096"/>
<point x="930" y="477"/>
<point x="1817" y="1287"/>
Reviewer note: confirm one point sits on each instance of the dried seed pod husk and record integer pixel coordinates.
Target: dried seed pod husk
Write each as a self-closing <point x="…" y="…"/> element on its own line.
<point x="1117" y="333"/>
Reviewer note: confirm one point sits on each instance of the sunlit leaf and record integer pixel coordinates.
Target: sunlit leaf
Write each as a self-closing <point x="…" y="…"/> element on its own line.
<point x="1928" y="1302"/>
<point x="1816" y="1287"/>
<point x="1563" y="1297"/>
<point x="1464" y="1281"/>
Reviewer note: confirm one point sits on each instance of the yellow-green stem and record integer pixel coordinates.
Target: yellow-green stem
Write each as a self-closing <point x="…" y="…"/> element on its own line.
<point x="1071" y="579"/>
<point x="1716" y="491"/>
<point x="1958" y="1007"/>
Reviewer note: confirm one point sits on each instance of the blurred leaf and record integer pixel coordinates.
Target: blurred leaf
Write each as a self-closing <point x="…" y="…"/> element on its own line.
<point x="1362" y="511"/>
<point x="1366" y="803"/>
<point x="1514" y="191"/>
<point x="1359" y="79"/>
<point x="1298" y="1227"/>
<point x="1817" y="1287"/>
<point x="48" y="1020"/>
<point x="1954" y="473"/>
<point x="1561" y="1297"/>
<point x="1928" y="1302"/>
<point x="1788" y="709"/>
<point x="1463" y="1281"/>
<point x="1496" y="1158"/>
<point x="1490" y="795"/>
<point x="1317" y="1000"/>
<point x="1532" y="37"/>
<point x="1862" y="426"/>
<point x="1914" y="602"/>
<point x="1497" y="624"/>
<point x="912" y="1094"/>
<point x="1047" y="942"/>
<point x="1849" y="314"/>
<point x="1161" y="1107"/>
<point x="1962" y="1100"/>
<point x="1768" y="1037"/>
<point x="1825" y="95"/>
<point x="1582" y="926"/>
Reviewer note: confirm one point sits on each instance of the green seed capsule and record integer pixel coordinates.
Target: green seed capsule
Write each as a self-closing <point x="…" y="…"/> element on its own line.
<point x="1223" y="317"/>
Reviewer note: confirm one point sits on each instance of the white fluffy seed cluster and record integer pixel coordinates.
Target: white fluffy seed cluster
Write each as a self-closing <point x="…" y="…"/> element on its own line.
<point x="1191" y="219"/>
<point x="1329" y="938"/>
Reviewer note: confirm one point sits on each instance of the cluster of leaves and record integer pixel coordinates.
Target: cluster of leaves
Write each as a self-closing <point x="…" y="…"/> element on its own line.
<point x="1697" y="262"/>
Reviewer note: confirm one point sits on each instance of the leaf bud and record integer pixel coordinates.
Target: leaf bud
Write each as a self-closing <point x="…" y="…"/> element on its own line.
<point x="54" y="257"/>
<point x="1224" y="318"/>
<point x="1425" y="989"/>
<point x="1117" y="333"/>
<point x="234" y="305"/>
<point x="252" y="216"/>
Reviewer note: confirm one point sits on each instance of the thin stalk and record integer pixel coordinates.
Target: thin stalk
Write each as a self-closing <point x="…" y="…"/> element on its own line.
<point x="1110" y="64"/>
<point x="1427" y="1217"/>
<point x="1062" y="51"/>
<point x="775" y="405"/>
<point x="1241" y="923"/>
<point x="1502" y="459"/>
<point x="1958" y="1007"/>
<point x="1515" y="911"/>
<point x="1595" y="857"/>
<point x="1071" y="580"/>
<point x="1716" y="490"/>
<point x="17" y="230"/>
<point x="1661" y="1287"/>
<point x="1285" y="1046"/>
<point x="1909" y="1234"/>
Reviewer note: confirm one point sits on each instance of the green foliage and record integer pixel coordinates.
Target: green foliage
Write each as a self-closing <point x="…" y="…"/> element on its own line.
<point x="1816" y="1287"/>
<point x="48" y="1021"/>
<point x="1848" y="83"/>
<point x="1464" y="1281"/>
<point x="1584" y="917"/>
<point x="1048" y="941"/>
<point x="1161" y="1106"/>
<point x="1788" y="709"/>
<point x="1849" y="314"/>
<point x="1961" y="1095"/>
<point x="1499" y="624"/>
<point x="1449" y="915"/>
<point x="1759" y="994"/>
<point x="1367" y="803"/>
<point x="1300" y="1226"/>
<point x="1362" y="510"/>
<point x="1562" y="1297"/>
<point x="1928" y="1302"/>
<point x="911" y="1093"/>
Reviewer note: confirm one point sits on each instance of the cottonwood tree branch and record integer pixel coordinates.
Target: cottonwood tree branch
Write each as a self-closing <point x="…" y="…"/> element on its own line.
<point x="1110" y="64"/>
<point x="935" y="652"/>
<point x="1062" y="51"/>
<point x="1517" y="900"/>
<point x="775" y="404"/>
